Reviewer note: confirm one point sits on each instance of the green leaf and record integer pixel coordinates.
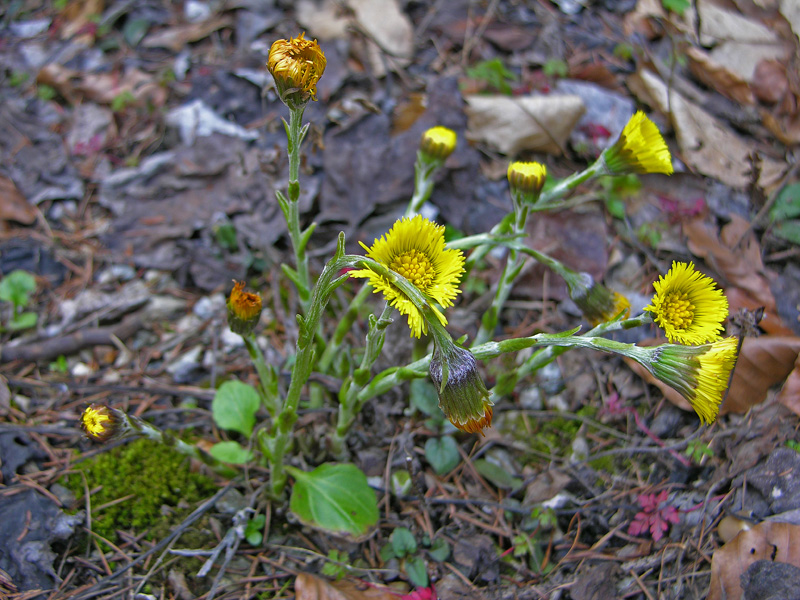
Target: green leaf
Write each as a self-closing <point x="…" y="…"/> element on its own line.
<point x="17" y="287"/>
<point x="24" y="320"/>
<point x="234" y="407"/>
<point x="676" y="6"/>
<point x="789" y="231"/>
<point x="335" y="498"/>
<point x="442" y="454"/>
<point x="403" y="542"/>
<point x="400" y="483"/>
<point x="231" y="452"/>
<point x="497" y="475"/>
<point x="416" y="571"/>
<point x="787" y="204"/>
<point x="424" y="398"/>
<point x="252" y="531"/>
<point x="439" y="550"/>
<point x="134" y="31"/>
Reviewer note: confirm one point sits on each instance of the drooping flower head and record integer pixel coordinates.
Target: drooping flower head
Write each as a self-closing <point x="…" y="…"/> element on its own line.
<point x="699" y="373"/>
<point x="100" y="423"/>
<point x="296" y="65"/>
<point x="244" y="309"/>
<point x="463" y="397"/>
<point x="415" y="248"/>
<point x="597" y="303"/>
<point x="438" y="143"/>
<point x="688" y="306"/>
<point x="527" y="178"/>
<point x="640" y="148"/>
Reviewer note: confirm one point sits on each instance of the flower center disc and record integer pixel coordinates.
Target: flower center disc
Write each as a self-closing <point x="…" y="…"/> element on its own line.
<point x="678" y="310"/>
<point x="414" y="266"/>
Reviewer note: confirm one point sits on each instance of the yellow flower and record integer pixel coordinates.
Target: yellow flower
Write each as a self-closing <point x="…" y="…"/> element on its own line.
<point x="101" y="423"/>
<point x="244" y="309"/>
<point x="296" y="65"/>
<point x="463" y="397"/>
<point x="527" y="178"/>
<point x="415" y="248"/>
<point x="699" y="373"/>
<point x="640" y="148"/>
<point x="597" y="303"/>
<point x="438" y="143"/>
<point x="688" y="306"/>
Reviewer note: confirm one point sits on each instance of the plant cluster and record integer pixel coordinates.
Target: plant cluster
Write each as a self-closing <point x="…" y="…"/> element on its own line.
<point x="419" y="275"/>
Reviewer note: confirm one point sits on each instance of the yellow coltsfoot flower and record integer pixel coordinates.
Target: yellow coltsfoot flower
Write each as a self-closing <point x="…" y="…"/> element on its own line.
<point x="438" y="143"/>
<point x="296" y="65"/>
<point x="527" y="178"/>
<point x="244" y="309"/>
<point x="699" y="373"/>
<point x="688" y="306"/>
<point x="640" y="148"/>
<point x="415" y="248"/>
<point x="100" y="423"/>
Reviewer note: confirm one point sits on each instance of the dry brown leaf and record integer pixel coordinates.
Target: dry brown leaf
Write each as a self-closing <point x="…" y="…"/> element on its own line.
<point x="13" y="205"/>
<point x="177" y="37"/>
<point x="78" y="16"/>
<point x="311" y="587"/>
<point x="778" y="542"/>
<point x="719" y="78"/>
<point x="511" y="125"/>
<point x="769" y="82"/>
<point x="789" y="395"/>
<point x="706" y="144"/>
<point x="102" y="87"/>
<point x="735" y="255"/>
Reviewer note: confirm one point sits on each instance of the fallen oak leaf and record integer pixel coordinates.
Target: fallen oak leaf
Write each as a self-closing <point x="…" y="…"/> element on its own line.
<point x="778" y="542"/>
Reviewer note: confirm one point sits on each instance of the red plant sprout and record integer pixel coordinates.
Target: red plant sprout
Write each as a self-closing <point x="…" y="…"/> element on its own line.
<point x="427" y="593"/>
<point x="654" y="516"/>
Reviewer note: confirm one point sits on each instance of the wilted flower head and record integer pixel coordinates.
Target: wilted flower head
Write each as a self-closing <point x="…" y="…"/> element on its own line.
<point x="415" y="248"/>
<point x="597" y="303"/>
<point x="463" y="397"/>
<point x="244" y="309"/>
<point x="688" y="306"/>
<point x="640" y="148"/>
<point x="438" y="143"/>
<point x="699" y="373"/>
<point x="527" y="178"/>
<point x="296" y="65"/>
<point x="100" y="423"/>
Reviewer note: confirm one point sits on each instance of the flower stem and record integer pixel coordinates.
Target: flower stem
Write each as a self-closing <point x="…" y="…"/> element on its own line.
<point x="423" y="184"/>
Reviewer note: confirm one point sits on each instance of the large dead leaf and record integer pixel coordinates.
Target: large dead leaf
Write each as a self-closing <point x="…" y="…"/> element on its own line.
<point x="779" y="542"/>
<point x="733" y="252"/>
<point x="311" y="587"/>
<point x="718" y="77"/>
<point x="790" y="392"/>
<point x="706" y="144"/>
<point x="541" y="123"/>
<point x="102" y="87"/>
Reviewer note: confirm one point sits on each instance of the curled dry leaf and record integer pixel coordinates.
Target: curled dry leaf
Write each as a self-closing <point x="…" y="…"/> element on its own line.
<point x="511" y="125"/>
<point x="13" y="205"/>
<point x="311" y="587"/>
<point x="779" y="542"/>
<point x="733" y="252"/>
<point x="719" y="78"/>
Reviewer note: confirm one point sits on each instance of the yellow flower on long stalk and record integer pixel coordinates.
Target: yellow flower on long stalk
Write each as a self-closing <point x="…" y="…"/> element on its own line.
<point x="640" y="148"/>
<point x="699" y="373"/>
<point x="527" y="178"/>
<point x="296" y="65"/>
<point x="688" y="306"/>
<point x="415" y="248"/>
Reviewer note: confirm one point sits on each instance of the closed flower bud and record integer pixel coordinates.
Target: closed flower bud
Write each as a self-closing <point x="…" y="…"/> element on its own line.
<point x="244" y="310"/>
<point x="597" y="303"/>
<point x="438" y="143"/>
<point x="463" y="397"/>
<point x="296" y="65"/>
<point x="101" y="423"/>
<point x="527" y="179"/>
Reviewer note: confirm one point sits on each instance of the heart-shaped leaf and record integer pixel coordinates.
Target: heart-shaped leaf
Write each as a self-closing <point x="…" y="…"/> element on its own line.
<point x="234" y="407"/>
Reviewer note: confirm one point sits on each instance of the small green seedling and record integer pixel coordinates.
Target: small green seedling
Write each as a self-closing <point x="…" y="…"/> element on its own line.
<point x="17" y="287"/>
<point x="253" y="530"/>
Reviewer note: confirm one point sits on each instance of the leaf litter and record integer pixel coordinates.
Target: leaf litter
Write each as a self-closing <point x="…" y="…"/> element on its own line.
<point x="118" y="188"/>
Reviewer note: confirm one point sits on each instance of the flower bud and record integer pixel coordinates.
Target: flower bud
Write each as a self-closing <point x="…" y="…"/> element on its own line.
<point x="100" y="423"/>
<point x="463" y="397"/>
<point x="527" y="179"/>
<point x="244" y="310"/>
<point x="438" y="143"/>
<point x="296" y="65"/>
<point x="597" y="303"/>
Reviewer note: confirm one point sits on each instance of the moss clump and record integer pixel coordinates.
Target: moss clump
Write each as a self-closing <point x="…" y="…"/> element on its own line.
<point x="153" y="475"/>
